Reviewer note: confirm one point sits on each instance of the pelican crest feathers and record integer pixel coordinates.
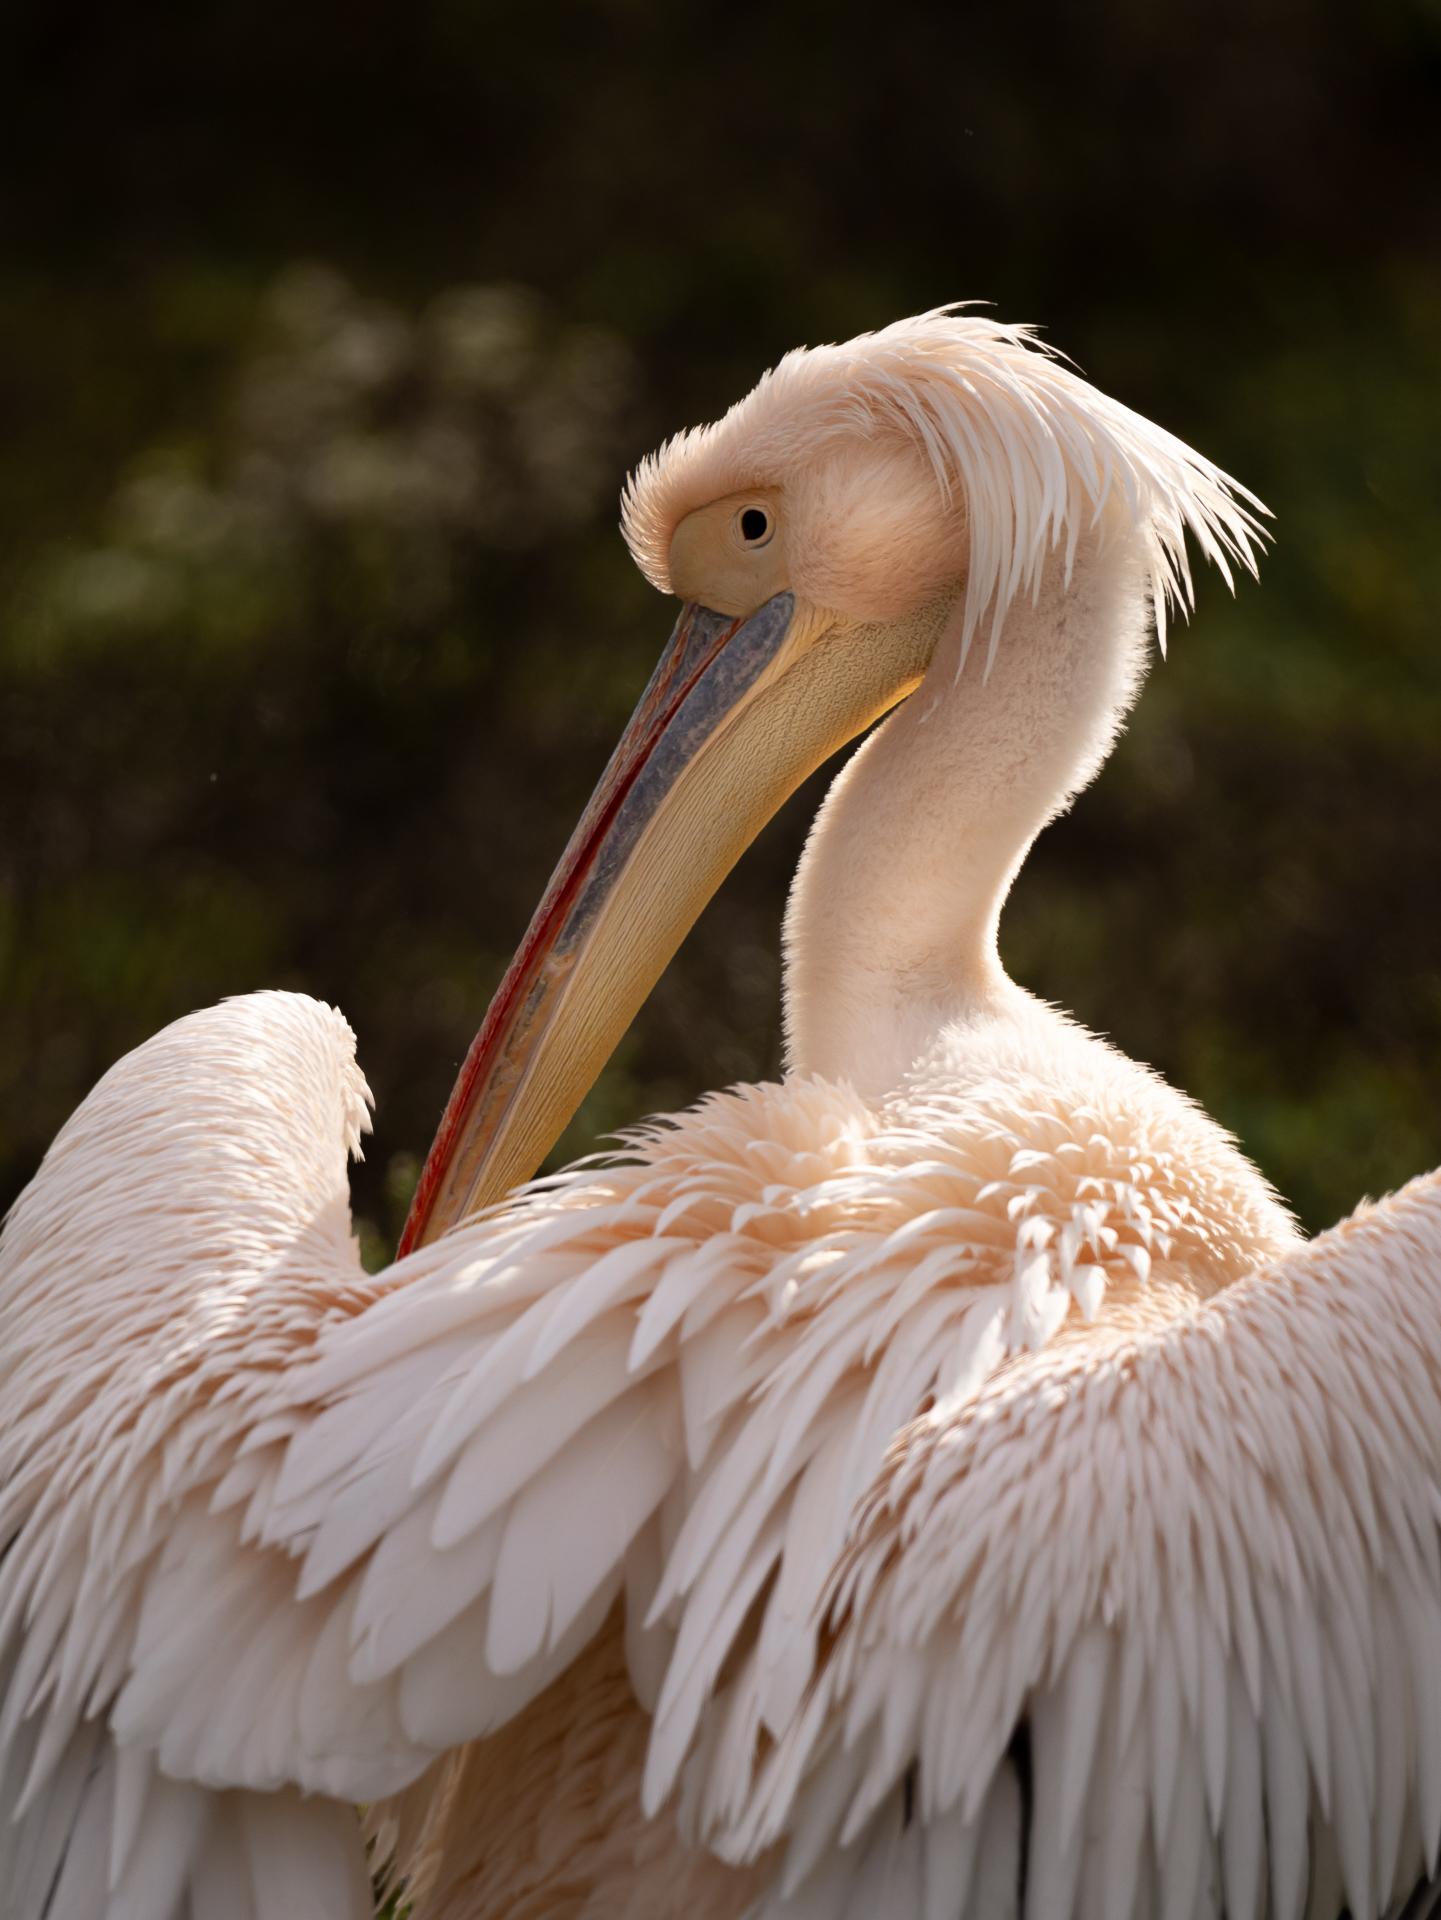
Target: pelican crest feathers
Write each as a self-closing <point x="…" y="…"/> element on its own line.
<point x="1036" y="453"/>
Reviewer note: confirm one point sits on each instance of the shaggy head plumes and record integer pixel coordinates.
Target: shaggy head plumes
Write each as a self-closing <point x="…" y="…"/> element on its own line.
<point x="944" y="444"/>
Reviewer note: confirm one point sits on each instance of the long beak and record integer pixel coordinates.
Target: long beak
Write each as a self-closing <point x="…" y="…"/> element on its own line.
<point x="736" y="715"/>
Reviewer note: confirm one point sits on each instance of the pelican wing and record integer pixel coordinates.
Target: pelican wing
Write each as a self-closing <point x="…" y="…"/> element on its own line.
<point x="1151" y="1625"/>
<point x="184" y="1241"/>
<point x="268" y="1522"/>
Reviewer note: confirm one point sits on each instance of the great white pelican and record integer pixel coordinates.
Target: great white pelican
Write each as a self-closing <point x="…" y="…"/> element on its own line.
<point x="942" y="1485"/>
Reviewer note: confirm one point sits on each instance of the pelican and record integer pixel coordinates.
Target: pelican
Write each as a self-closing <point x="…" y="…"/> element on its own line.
<point x="940" y="1485"/>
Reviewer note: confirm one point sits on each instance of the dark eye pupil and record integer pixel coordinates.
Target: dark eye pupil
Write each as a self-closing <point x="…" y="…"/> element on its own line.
<point x="753" y="524"/>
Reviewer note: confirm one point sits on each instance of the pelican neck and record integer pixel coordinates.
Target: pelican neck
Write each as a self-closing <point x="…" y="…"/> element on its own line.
<point x="891" y="929"/>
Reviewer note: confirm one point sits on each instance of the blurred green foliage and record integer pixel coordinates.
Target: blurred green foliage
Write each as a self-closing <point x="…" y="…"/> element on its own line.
<point x="326" y="336"/>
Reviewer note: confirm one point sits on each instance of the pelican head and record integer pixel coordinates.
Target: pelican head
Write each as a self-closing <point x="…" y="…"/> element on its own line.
<point x="862" y="506"/>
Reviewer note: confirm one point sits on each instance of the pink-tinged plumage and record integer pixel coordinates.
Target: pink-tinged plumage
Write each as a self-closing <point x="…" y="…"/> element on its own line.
<point x="940" y="1485"/>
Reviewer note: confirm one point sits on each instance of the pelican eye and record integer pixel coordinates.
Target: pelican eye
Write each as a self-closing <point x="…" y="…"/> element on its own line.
<point x="754" y="526"/>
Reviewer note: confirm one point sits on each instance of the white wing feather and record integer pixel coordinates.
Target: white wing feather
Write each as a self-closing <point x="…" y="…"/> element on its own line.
<point x="268" y="1521"/>
<point x="1229" y="1689"/>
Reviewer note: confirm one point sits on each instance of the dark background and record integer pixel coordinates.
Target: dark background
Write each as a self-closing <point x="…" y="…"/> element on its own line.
<point x="328" y="331"/>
